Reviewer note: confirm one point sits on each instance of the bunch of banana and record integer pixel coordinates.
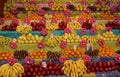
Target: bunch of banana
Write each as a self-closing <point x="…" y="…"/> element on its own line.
<point x="109" y="36"/>
<point x="91" y="39"/>
<point x="7" y="70"/>
<point x="51" y="41"/>
<point x="71" y="38"/>
<point x="52" y="26"/>
<point x="74" y="68"/>
<point x="4" y="40"/>
<point x="58" y="6"/>
<point x="58" y="38"/>
<point x="29" y="39"/>
<point x="24" y="29"/>
<point x="74" y="25"/>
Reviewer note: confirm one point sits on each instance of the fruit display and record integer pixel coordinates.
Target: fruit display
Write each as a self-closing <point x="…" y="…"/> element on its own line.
<point x="51" y="56"/>
<point x="72" y="53"/>
<point x="4" y="40"/>
<point x="37" y="26"/>
<point x="20" y="54"/>
<point x="74" y="25"/>
<point x="6" y="55"/>
<point x="71" y="38"/>
<point x="39" y="70"/>
<point x="74" y="68"/>
<point x="113" y="25"/>
<point x="109" y="36"/>
<point x="11" y="71"/>
<point x="36" y="54"/>
<point x="106" y="51"/>
<point x="29" y="39"/>
<point x="51" y="27"/>
<point x="24" y="29"/>
<point x="101" y="66"/>
<point x="57" y="7"/>
<point x="34" y="17"/>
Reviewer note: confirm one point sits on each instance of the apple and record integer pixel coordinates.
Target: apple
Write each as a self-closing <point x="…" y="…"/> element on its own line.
<point x="52" y="72"/>
<point x="100" y="64"/>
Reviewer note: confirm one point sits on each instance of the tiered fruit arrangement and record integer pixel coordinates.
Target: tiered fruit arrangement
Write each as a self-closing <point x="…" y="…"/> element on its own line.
<point x="52" y="26"/>
<point x="58" y="7"/>
<point x="74" y="25"/>
<point x="101" y="66"/>
<point x="52" y="41"/>
<point x="72" y="53"/>
<point x="29" y="39"/>
<point x="14" y="70"/>
<point x="71" y="38"/>
<point x="34" y="17"/>
<point x="20" y="54"/>
<point x="59" y="16"/>
<point x="9" y="16"/>
<point x="109" y="36"/>
<point x="74" y="68"/>
<point x="52" y="56"/>
<point x="4" y="40"/>
<point x="37" y="26"/>
<point x="106" y="51"/>
<point x="24" y="29"/>
<point x="39" y="70"/>
<point x="37" y="54"/>
<point x="5" y="55"/>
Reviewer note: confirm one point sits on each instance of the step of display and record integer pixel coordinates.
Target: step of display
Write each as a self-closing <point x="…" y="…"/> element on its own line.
<point x="14" y="34"/>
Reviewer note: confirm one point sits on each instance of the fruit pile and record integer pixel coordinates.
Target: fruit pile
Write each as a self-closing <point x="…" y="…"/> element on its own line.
<point x="80" y="7"/>
<point x="71" y="38"/>
<point x="51" y="27"/>
<point x="14" y="70"/>
<point x="106" y="51"/>
<point x="39" y="70"/>
<point x="36" y="54"/>
<point x="101" y="67"/>
<point x="52" y="41"/>
<point x="29" y="39"/>
<point x="107" y="16"/>
<point x="11" y="27"/>
<point x="74" y="25"/>
<point x="37" y="26"/>
<point x="9" y="16"/>
<point x="113" y="25"/>
<point x="20" y="54"/>
<point x="93" y="53"/>
<point x="74" y="68"/>
<point x="5" y="55"/>
<point x="4" y="40"/>
<point x="24" y="29"/>
<point x="52" y="56"/>
<point x="85" y="16"/>
<point x="72" y="53"/>
<point x="58" y="7"/>
<point x="59" y="16"/>
<point x="34" y="17"/>
<point x="109" y="36"/>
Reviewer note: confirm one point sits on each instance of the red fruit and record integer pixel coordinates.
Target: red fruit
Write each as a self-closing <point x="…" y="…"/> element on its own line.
<point x="52" y="72"/>
<point x="96" y="69"/>
<point x="31" y="70"/>
<point x="36" y="69"/>
<point x="104" y="64"/>
<point x="46" y="69"/>
<point x="29" y="74"/>
<point x="57" y="72"/>
<point x="108" y="64"/>
<point x="109" y="68"/>
<point x="101" y="69"/>
<point x="50" y="67"/>
<point x="100" y="64"/>
<point x="106" y="69"/>
<point x="62" y="72"/>
<point x="48" y="72"/>
<point x="95" y="64"/>
<point x="24" y="74"/>
<point x="88" y="71"/>
<point x="34" y="74"/>
<point x="40" y="69"/>
<point x="39" y="73"/>
<point x="43" y="73"/>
